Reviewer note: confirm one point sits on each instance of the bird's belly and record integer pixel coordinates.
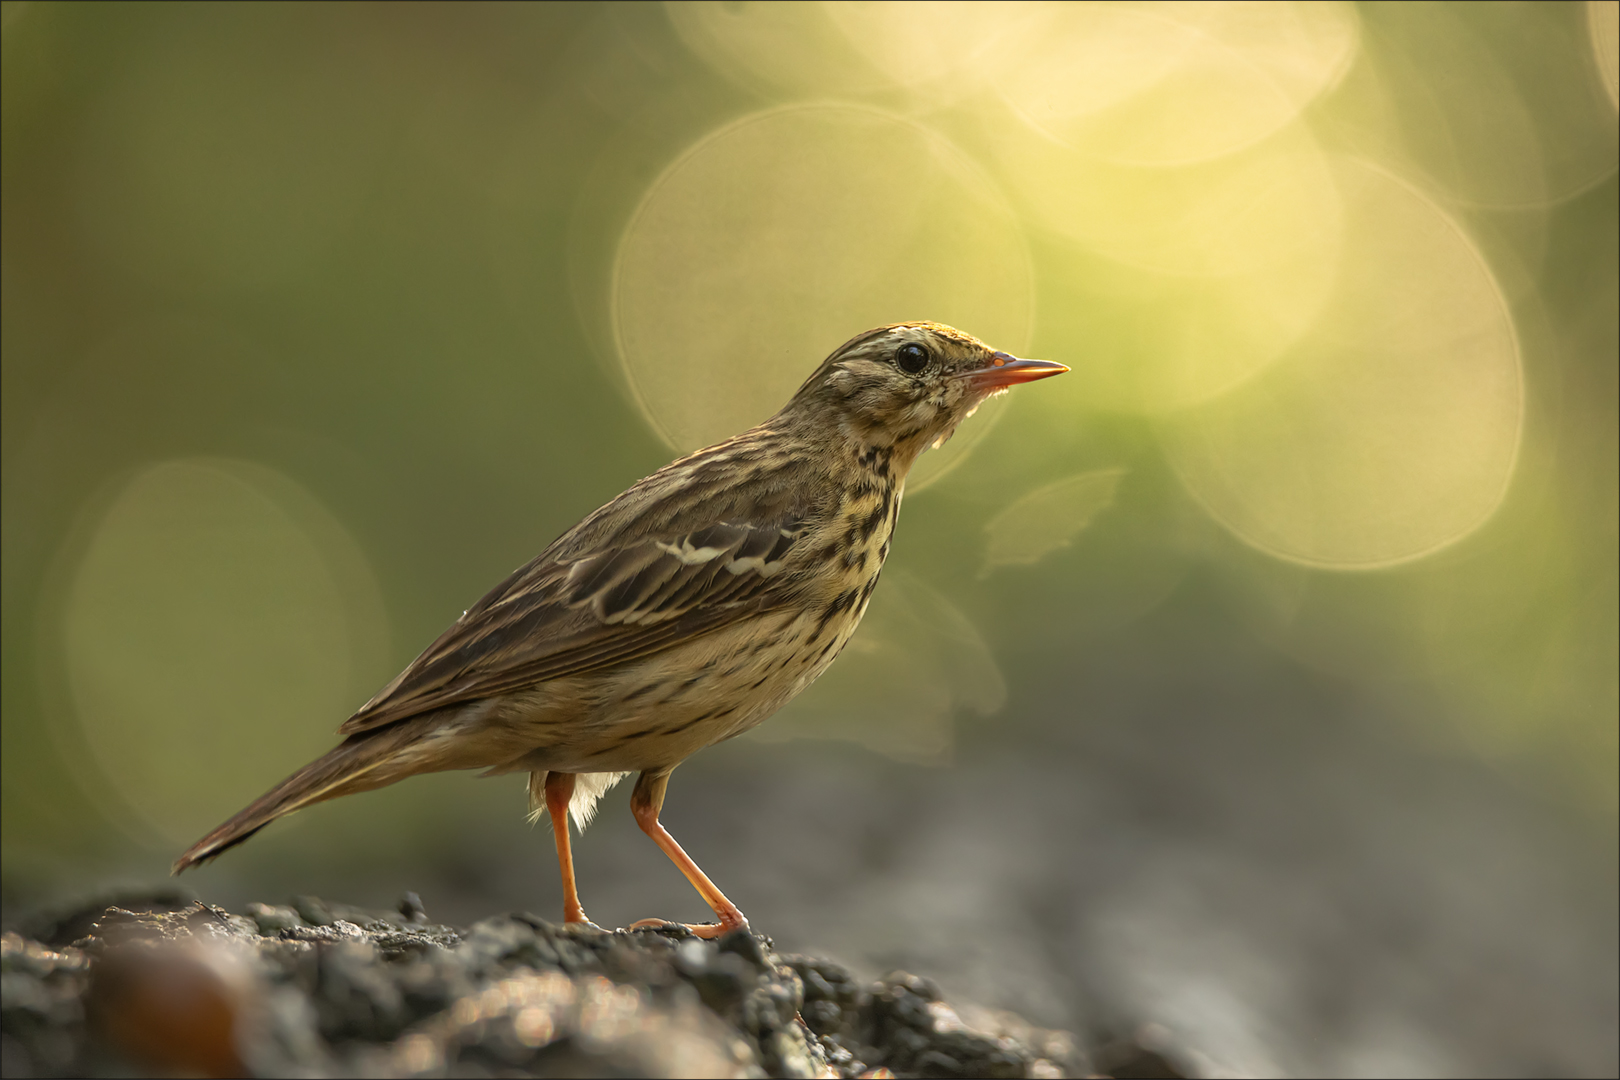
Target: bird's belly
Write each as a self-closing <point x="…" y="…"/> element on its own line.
<point x="656" y="713"/>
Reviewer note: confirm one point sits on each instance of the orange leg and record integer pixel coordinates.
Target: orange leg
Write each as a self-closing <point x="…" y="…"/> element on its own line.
<point x="646" y="802"/>
<point x="559" y="792"/>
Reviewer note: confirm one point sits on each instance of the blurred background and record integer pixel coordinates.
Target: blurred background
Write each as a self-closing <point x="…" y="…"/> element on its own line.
<point x="1255" y="682"/>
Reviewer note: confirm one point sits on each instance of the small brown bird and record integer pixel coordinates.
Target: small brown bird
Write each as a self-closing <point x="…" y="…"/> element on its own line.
<point x="682" y="613"/>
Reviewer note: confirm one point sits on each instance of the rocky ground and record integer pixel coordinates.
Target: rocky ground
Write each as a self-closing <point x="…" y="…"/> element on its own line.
<point x="167" y="985"/>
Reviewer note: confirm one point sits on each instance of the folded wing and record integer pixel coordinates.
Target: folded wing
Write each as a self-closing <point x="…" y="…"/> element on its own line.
<point x="557" y="617"/>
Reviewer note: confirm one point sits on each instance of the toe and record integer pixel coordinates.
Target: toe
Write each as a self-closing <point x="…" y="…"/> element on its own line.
<point x="707" y="931"/>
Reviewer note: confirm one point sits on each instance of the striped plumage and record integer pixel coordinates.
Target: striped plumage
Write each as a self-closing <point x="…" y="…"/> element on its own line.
<point x="682" y="613"/>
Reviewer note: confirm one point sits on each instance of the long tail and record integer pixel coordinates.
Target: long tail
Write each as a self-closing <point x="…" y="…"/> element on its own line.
<point x="359" y="763"/>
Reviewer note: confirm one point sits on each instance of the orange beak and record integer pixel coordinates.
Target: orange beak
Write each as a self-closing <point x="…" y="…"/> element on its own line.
<point x="1007" y="370"/>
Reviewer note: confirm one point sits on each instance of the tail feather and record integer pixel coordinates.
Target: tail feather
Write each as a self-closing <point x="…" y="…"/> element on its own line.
<point x="359" y="763"/>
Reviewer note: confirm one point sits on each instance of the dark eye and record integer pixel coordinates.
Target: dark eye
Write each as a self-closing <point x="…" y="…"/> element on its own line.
<point x="911" y="358"/>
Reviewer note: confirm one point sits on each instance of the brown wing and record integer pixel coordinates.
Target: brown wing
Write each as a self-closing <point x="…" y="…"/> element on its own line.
<point x="566" y="615"/>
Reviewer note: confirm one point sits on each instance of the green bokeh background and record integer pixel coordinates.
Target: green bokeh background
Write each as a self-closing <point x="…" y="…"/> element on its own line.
<point x="315" y="325"/>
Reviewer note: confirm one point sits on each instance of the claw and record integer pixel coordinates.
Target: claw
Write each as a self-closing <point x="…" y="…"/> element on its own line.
<point x="707" y="931"/>
<point x="645" y="802"/>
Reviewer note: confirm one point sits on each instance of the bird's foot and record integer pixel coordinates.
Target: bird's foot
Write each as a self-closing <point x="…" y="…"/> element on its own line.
<point x="708" y="931"/>
<point x="580" y="921"/>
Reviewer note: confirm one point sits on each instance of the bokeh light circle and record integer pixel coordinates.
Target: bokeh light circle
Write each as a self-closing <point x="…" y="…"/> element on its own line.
<point x="213" y="633"/>
<point x="1244" y="213"/>
<point x="1494" y="104"/>
<point x="1216" y="268"/>
<point x="923" y="54"/>
<point x="779" y="237"/>
<point x="1390" y="430"/>
<point x="1603" y="23"/>
<point x="775" y="47"/>
<point x="1170" y="84"/>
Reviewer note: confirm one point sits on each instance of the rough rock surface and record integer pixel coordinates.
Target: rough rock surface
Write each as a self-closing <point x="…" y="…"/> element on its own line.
<point x="166" y="985"/>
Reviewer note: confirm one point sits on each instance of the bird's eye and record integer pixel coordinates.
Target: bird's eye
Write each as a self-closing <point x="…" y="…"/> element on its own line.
<point x="911" y="358"/>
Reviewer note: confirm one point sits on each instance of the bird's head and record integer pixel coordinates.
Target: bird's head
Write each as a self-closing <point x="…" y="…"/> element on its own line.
<point x="907" y="386"/>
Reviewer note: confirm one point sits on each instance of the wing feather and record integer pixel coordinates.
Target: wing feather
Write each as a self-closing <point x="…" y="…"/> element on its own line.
<point x="566" y="614"/>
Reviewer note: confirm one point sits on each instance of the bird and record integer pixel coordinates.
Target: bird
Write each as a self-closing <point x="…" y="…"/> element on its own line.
<point x="682" y="613"/>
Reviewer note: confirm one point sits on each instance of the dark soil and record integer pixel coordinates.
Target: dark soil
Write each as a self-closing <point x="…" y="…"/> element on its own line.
<point x="160" y="984"/>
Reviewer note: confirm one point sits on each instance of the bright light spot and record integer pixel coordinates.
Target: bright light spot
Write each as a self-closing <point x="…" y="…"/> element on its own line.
<point x="914" y="663"/>
<point x="419" y="1054"/>
<point x="211" y="633"/>
<point x="1242" y="214"/>
<point x="1047" y="518"/>
<point x="1392" y="429"/>
<point x="1213" y="270"/>
<point x="1169" y="84"/>
<point x="947" y="49"/>
<point x="918" y="53"/>
<point x="533" y="1026"/>
<point x="779" y="237"/>
<point x="1603" y="20"/>
<point x="776" y="47"/>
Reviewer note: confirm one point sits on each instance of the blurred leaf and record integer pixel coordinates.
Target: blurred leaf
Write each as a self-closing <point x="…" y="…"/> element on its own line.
<point x="1048" y="518"/>
<point x="915" y="662"/>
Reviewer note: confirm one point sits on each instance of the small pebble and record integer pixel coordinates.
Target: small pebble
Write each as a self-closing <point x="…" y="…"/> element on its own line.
<point x="410" y="906"/>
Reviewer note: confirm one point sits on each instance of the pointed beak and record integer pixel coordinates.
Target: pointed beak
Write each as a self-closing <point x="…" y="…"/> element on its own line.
<point x="1007" y="370"/>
